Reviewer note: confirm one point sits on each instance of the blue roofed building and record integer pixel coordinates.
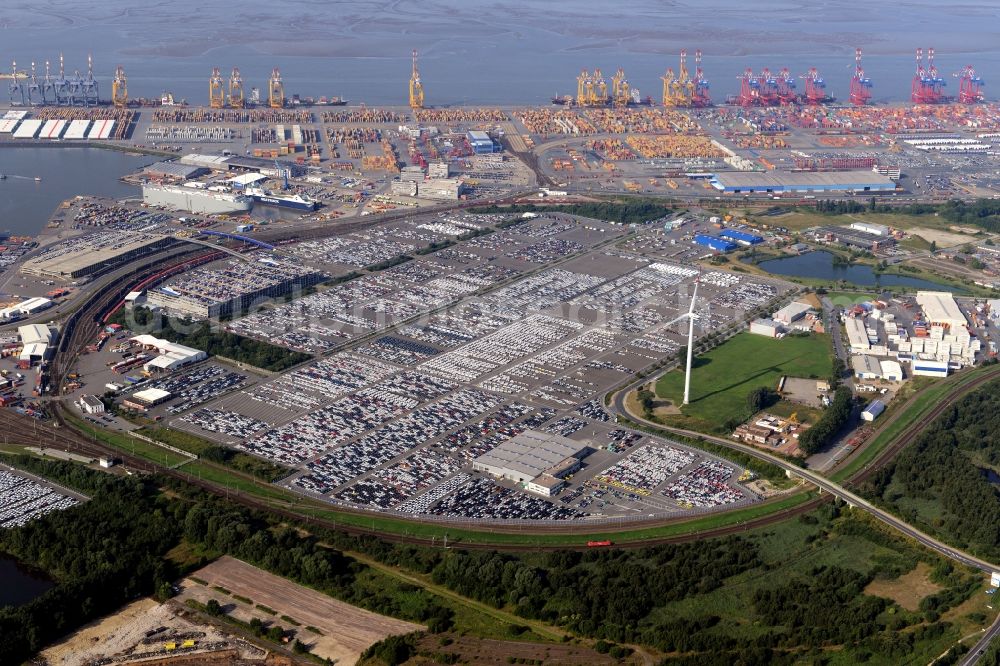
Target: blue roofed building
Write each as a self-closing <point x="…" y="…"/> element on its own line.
<point x="713" y="243"/>
<point x="740" y="237"/>
<point x="480" y="141"/>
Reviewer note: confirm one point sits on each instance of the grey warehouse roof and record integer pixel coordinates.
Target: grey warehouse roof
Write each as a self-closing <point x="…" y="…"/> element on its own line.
<point x="801" y="180"/>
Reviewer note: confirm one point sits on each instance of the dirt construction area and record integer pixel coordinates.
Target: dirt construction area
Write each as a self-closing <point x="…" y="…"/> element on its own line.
<point x="345" y="630"/>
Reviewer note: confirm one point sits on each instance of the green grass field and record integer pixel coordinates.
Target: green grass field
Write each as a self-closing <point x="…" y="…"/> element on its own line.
<point x="722" y="378"/>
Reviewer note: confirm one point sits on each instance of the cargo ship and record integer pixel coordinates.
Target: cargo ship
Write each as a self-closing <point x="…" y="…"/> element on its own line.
<point x="195" y="200"/>
<point x="21" y="74"/>
<point x="292" y="201"/>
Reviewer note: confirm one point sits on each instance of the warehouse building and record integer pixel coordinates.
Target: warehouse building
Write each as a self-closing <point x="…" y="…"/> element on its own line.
<point x="792" y="312"/>
<point x="870" y="228"/>
<point x="873" y="411"/>
<point x="766" y="327"/>
<point x="857" y="335"/>
<point x="891" y="371"/>
<point x="941" y="309"/>
<point x="144" y="400"/>
<point x="480" y="141"/>
<point x="91" y="404"/>
<point x="25" y="308"/>
<point x="245" y="180"/>
<point x="922" y="368"/>
<point x="174" y="170"/>
<point x="752" y="182"/>
<point x="866" y="367"/>
<point x="713" y="243"/>
<point x="740" y="237"/>
<point x="531" y="458"/>
<point x="449" y="189"/>
<point x="172" y="355"/>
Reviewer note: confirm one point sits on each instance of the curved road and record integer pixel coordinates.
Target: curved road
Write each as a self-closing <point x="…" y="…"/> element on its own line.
<point x="824" y="484"/>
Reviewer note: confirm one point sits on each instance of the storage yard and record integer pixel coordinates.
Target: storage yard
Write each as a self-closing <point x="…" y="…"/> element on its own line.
<point x="429" y="365"/>
<point x="22" y="498"/>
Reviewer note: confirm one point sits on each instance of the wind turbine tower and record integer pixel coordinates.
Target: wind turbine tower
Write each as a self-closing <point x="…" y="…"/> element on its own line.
<point x="690" y="350"/>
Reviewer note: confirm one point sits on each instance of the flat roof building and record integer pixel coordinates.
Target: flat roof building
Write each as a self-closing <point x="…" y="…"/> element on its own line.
<point x="480" y="142"/>
<point x="35" y="333"/>
<point x="792" y="312"/>
<point x="892" y="371"/>
<point x="766" y="327"/>
<point x="741" y="237"/>
<point x="941" y="309"/>
<point x="231" y="287"/>
<point x="143" y="400"/>
<point x="775" y="181"/>
<point x="857" y="335"/>
<point x="531" y="454"/>
<point x="77" y="257"/>
<point x="713" y="243"/>
<point x="174" y="170"/>
<point x="871" y="228"/>
<point x="91" y="404"/>
<point x="172" y="355"/>
<point x="866" y="367"/>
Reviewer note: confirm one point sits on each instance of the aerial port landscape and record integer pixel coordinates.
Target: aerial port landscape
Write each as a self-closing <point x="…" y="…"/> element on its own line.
<point x="661" y="370"/>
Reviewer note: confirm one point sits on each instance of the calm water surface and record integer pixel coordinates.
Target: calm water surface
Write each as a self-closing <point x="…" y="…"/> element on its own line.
<point x="26" y="205"/>
<point x="819" y="266"/>
<point x="19" y="584"/>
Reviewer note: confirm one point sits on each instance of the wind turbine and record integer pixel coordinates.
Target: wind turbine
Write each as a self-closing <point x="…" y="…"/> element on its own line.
<point x="690" y="316"/>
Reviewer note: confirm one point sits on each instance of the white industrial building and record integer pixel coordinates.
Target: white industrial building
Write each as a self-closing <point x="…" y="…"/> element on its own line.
<point x="866" y="367"/>
<point x="792" y="312"/>
<point x="766" y="327"/>
<point x="869" y="228"/>
<point x="892" y="371"/>
<point x="91" y="404"/>
<point x="35" y="341"/>
<point x="941" y="309"/>
<point x="857" y="334"/>
<point x="25" y="308"/>
<point x="872" y="411"/>
<point x="531" y="458"/>
<point x="143" y="400"/>
<point x="921" y="368"/>
<point x="172" y="355"/>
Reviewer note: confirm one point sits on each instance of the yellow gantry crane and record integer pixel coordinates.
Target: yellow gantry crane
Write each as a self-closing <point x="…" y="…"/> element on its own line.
<point x="275" y="90"/>
<point x="236" y="89"/>
<point x="683" y="87"/>
<point x="216" y="93"/>
<point x="621" y="91"/>
<point x="416" y="87"/>
<point x="599" y="95"/>
<point x="583" y="83"/>
<point x="119" y="88"/>
<point x="668" y="87"/>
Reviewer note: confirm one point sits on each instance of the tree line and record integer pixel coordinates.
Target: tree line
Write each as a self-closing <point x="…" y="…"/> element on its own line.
<point x="833" y="420"/>
<point x="945" y="467"/>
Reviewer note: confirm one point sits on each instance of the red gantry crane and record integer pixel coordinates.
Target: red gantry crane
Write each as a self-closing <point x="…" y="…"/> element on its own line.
<point x="927" y="85"/>
<point x="815" y="92"/>
<point x="970" y="86"/>
<point x="861" y="85"/>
